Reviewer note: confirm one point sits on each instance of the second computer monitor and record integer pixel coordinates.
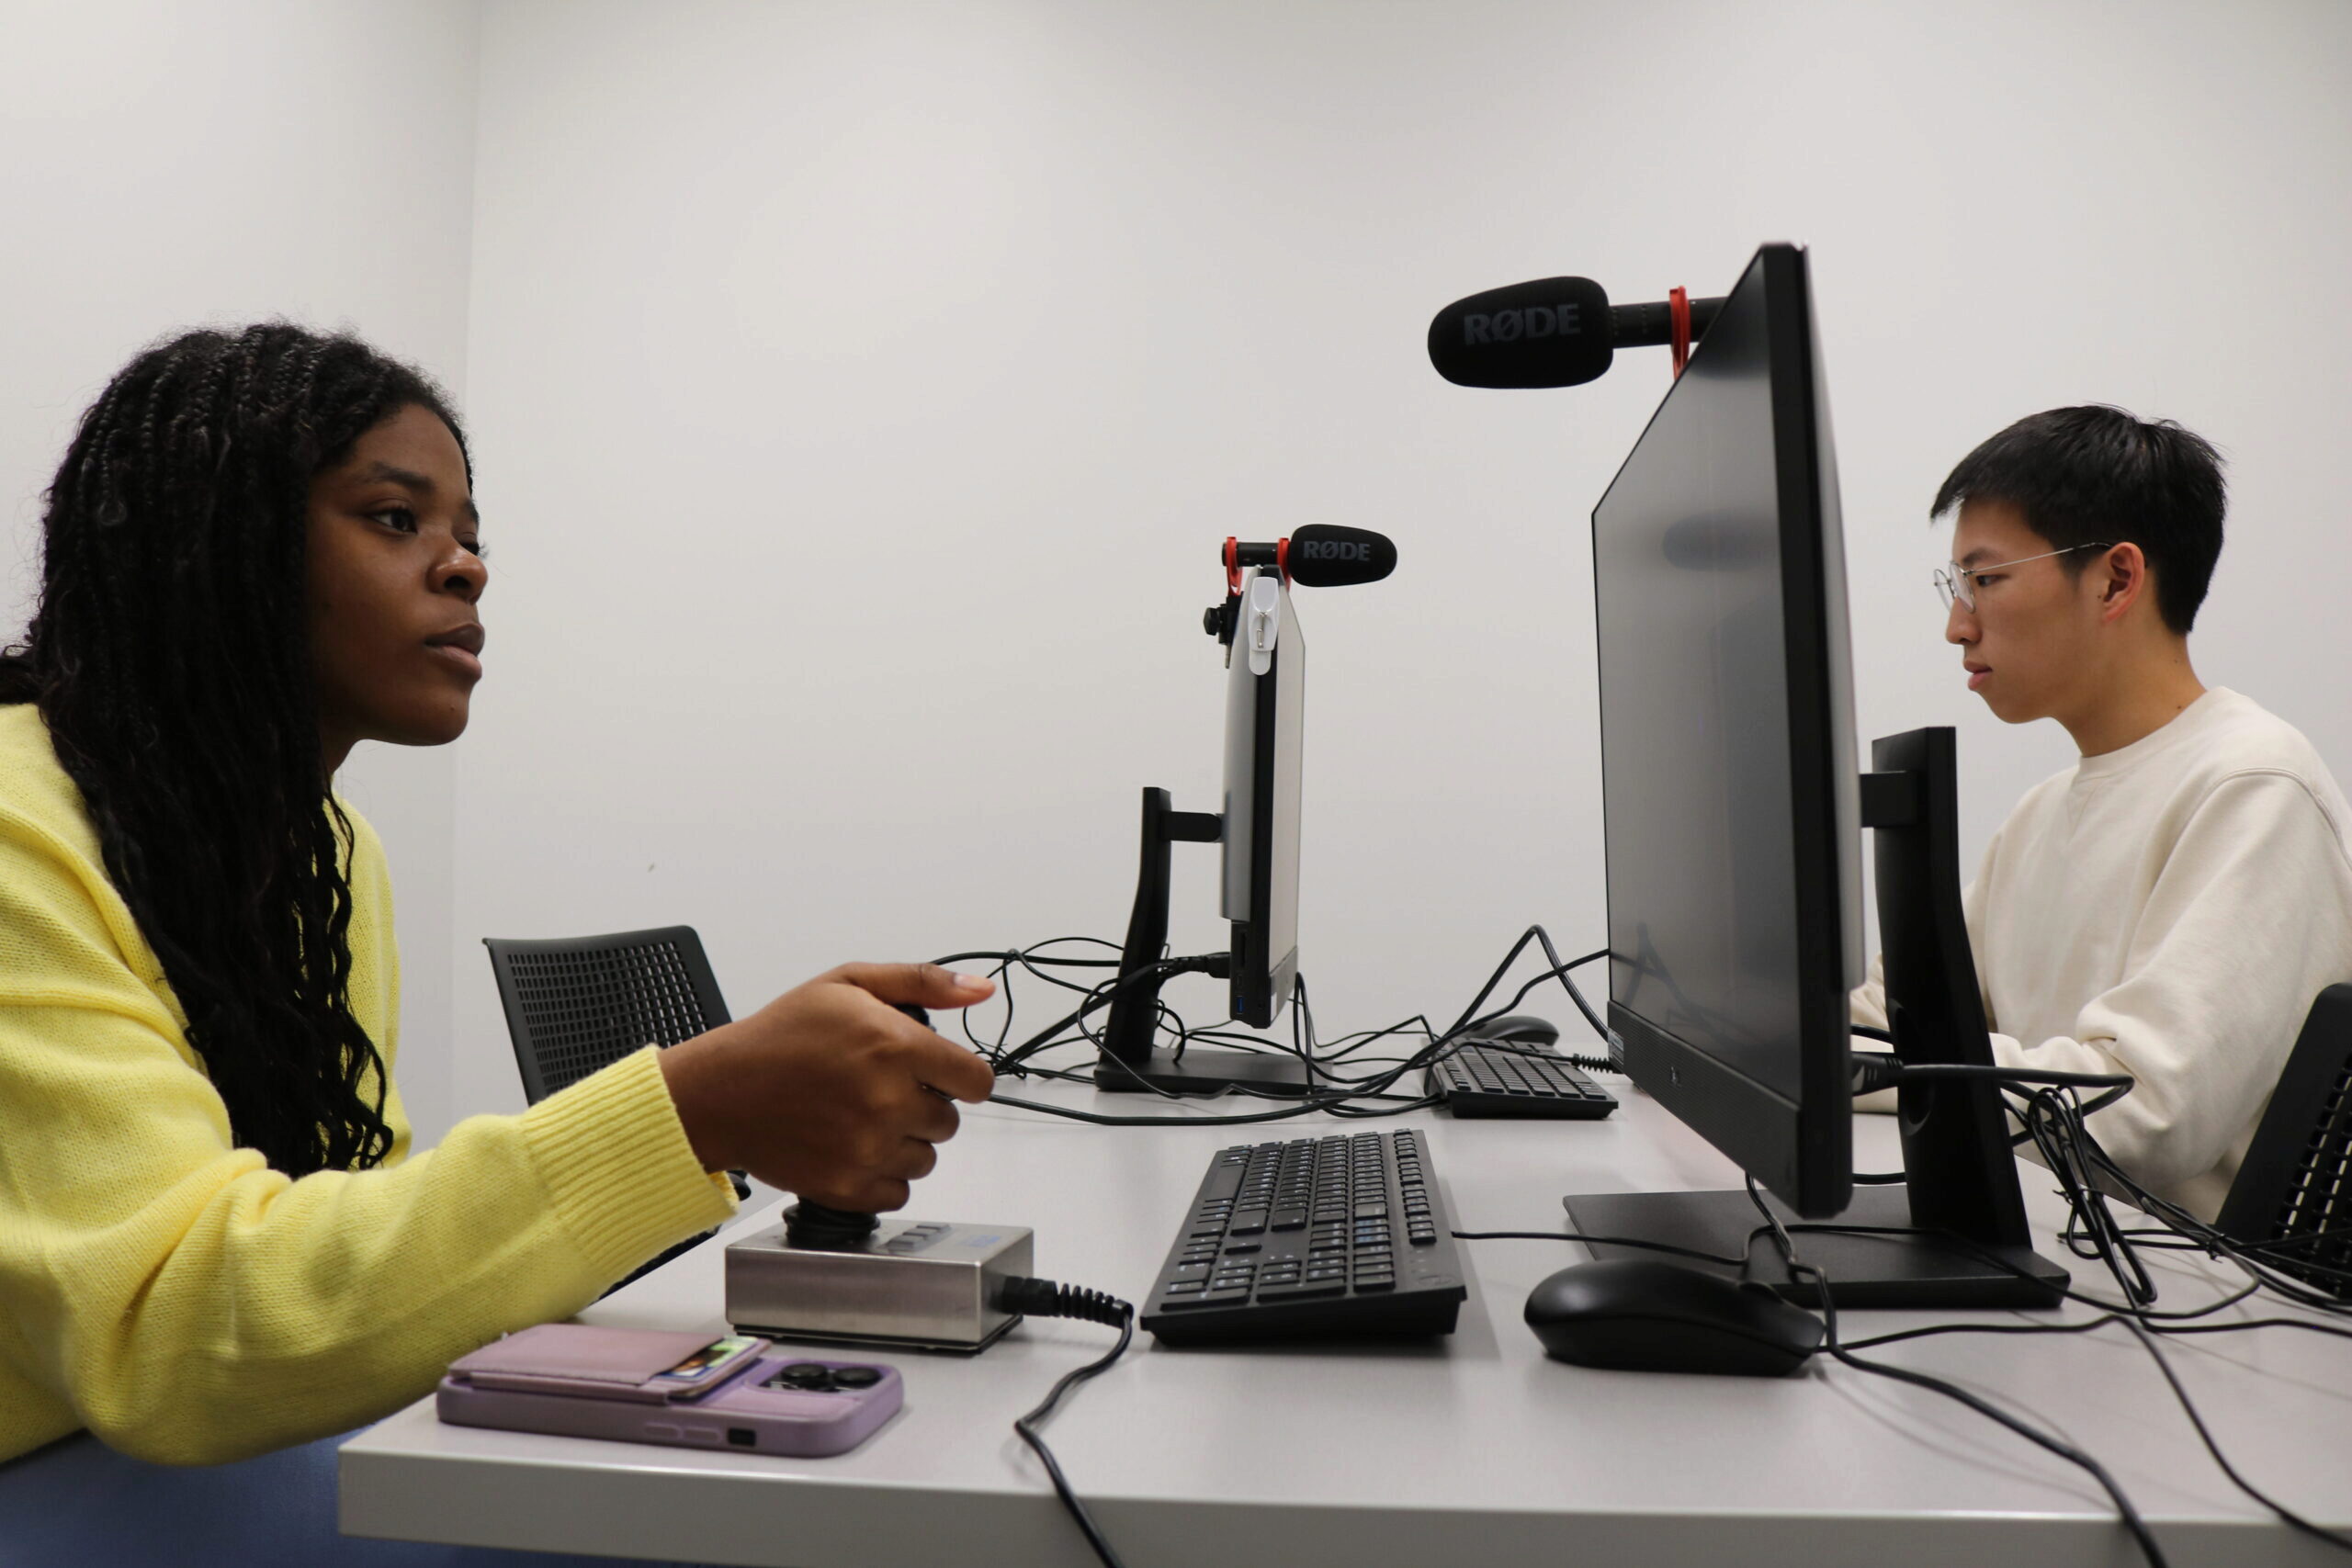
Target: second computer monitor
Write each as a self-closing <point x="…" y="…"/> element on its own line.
<point x="1264" y="723"/>
<point x="1728" y="767"/>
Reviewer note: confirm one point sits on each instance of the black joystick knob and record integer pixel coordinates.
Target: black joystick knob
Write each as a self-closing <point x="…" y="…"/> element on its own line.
<point x="821" y="1229"/>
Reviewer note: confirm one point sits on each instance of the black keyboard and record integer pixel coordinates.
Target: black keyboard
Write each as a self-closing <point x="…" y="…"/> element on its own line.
<point x="1517" y="1080"/>
<point x="1339" y="1238"/>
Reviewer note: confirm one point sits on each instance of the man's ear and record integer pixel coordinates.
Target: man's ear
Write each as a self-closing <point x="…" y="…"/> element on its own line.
<point x="2121" y="579"/>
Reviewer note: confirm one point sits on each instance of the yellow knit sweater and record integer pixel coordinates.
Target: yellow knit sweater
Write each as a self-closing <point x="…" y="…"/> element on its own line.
<point x="188" y="1304"/>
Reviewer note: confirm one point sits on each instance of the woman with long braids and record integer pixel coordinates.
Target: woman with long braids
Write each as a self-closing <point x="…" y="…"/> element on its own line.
<point x="261" y="550"/>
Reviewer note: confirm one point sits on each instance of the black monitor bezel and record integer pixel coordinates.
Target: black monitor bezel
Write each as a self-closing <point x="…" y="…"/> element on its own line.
<point x="1801" y="1150"/>
<point x="1260" y="981"/>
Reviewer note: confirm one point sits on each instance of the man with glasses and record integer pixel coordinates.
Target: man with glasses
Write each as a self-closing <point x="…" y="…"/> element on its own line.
<point x="2170" y="905"/>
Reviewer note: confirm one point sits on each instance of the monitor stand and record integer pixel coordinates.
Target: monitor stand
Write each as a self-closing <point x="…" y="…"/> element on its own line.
<point x="1130" y="1062"/>
<point x="1960" y="1212"/>
<point x="1198" y="1071"/>
<point x="1927" y="1269"/>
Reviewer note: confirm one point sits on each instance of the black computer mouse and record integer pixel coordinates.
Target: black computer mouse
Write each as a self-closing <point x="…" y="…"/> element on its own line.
<point x="1518" y="1029"/>
<point x="1640" y="1315"/>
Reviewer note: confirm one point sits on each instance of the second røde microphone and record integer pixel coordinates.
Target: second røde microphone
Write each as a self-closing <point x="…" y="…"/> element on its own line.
<point x="1322" y="555"/>
<point x="1554" y="331"/>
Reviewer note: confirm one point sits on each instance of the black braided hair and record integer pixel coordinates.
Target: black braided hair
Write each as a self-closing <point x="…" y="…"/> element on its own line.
<point x="170" y="655"/>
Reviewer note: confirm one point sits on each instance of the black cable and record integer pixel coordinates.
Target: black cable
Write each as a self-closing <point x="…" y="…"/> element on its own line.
<point x="1342" y="1088"/>
<point x="1036" y="963"/>
<point x="1100" y="996"/>
<point x="1780" y="1242"/>
<point x="2123" y="1504"/>
<point x="1933" y="1329"/>
<point x="1559" y="969"/>
<point x="1168" y="968"/>
<point x="2247" y="1257"/>
<point x="2056" y="1119"/>
<point x="2334" y="1537"/>
<point x="2245" y="1324"/>
<point x="1986" y="1254"/>
<point x="1043" y="1298"/>
<point x="1236" y="1120"/>
<point x="1322" y="1064"/>
<point x="2053" y="1120"/>
<point x="1014" y="954"/>
<point x="1600" y="1029"/>
<point x="1345" y="1046"/>
<point x="1030" y="958"/>
<point x="1844" y="1354"/>
<point x="1875" y="1177"/>
<point x="2089" y="1323"/>
<point x="1876" y="1070"/>
<point x="1293" y="1105"/>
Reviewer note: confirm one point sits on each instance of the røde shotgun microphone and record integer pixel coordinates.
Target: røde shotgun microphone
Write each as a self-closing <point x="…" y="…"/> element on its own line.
<point x="1554" y="331"/>
<point x="1320" y="555"/>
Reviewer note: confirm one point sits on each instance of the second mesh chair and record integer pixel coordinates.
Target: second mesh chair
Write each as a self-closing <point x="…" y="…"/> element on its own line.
<point x="2292" y="1197"/>
<point x="577" y="1004"/>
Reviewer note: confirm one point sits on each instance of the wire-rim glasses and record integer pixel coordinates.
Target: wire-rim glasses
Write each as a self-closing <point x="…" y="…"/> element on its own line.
<point x="1958" y="582"/>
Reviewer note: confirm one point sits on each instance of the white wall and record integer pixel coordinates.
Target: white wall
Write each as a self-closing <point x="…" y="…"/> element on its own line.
<point x="860" y="390"/>
<point x="863" y="390"/>
<point x="166" y="165"/>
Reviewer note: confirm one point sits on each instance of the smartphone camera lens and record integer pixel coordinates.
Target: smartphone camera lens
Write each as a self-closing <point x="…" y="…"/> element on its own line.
<point x="814" y="1376"/>
<point x="857" y="1377"/>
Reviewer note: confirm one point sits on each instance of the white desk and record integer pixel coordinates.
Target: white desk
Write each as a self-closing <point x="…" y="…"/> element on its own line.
<point x="1472" y="1449"/>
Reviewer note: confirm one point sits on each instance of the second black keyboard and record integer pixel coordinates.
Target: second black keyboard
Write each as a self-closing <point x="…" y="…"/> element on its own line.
<point x="1516" y="1080"/>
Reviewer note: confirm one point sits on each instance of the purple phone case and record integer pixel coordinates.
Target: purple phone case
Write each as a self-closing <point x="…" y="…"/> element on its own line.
<point x="735" y="1412"/>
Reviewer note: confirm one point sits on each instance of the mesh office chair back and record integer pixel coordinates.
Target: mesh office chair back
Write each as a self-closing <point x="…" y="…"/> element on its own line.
<point x="2294" y="1191"/>
<point x="577" y="1004"/>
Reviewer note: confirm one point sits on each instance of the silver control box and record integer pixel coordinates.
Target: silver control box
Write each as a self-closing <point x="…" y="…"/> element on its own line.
<point x="924" y="1285"/>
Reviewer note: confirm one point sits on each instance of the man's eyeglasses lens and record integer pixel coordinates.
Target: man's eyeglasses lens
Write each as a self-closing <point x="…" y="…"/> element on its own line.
<point x="1955" y="581"/>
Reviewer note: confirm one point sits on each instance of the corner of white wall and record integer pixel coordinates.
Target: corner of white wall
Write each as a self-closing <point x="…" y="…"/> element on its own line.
<point x="166" y="165"/>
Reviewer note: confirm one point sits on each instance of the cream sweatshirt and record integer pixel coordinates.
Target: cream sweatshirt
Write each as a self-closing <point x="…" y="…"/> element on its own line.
<point x="2168" y="911"/>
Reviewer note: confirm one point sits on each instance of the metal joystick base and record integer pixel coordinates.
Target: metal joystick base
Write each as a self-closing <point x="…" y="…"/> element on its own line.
<point x="835" y="1277"/>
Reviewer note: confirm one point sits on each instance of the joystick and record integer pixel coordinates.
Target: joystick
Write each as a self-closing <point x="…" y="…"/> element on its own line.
<point x="812" y="1225"/>
<point x="823" y="1228"/>
<point x="837" y="1276"/>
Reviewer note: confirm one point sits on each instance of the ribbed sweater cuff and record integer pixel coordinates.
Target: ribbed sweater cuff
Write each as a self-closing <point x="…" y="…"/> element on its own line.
<point x="624" y="1179"/>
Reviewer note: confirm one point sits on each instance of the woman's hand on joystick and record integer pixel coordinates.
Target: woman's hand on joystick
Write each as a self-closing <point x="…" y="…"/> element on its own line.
<point x="830" y="1092"/>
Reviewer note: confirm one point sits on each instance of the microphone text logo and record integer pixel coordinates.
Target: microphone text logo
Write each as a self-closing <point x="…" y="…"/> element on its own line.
<point x="1530" y="321"/>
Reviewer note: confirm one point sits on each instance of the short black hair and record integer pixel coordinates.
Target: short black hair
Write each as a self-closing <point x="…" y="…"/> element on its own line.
<point x="2101" y="475"/>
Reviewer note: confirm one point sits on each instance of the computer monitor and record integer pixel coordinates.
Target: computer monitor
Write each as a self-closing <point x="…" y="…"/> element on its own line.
<point x="1258" y="828"/>
<point x="1733" y="799"/>
<point x="1265" y="696"/>
<point x="1728" y="774"/>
